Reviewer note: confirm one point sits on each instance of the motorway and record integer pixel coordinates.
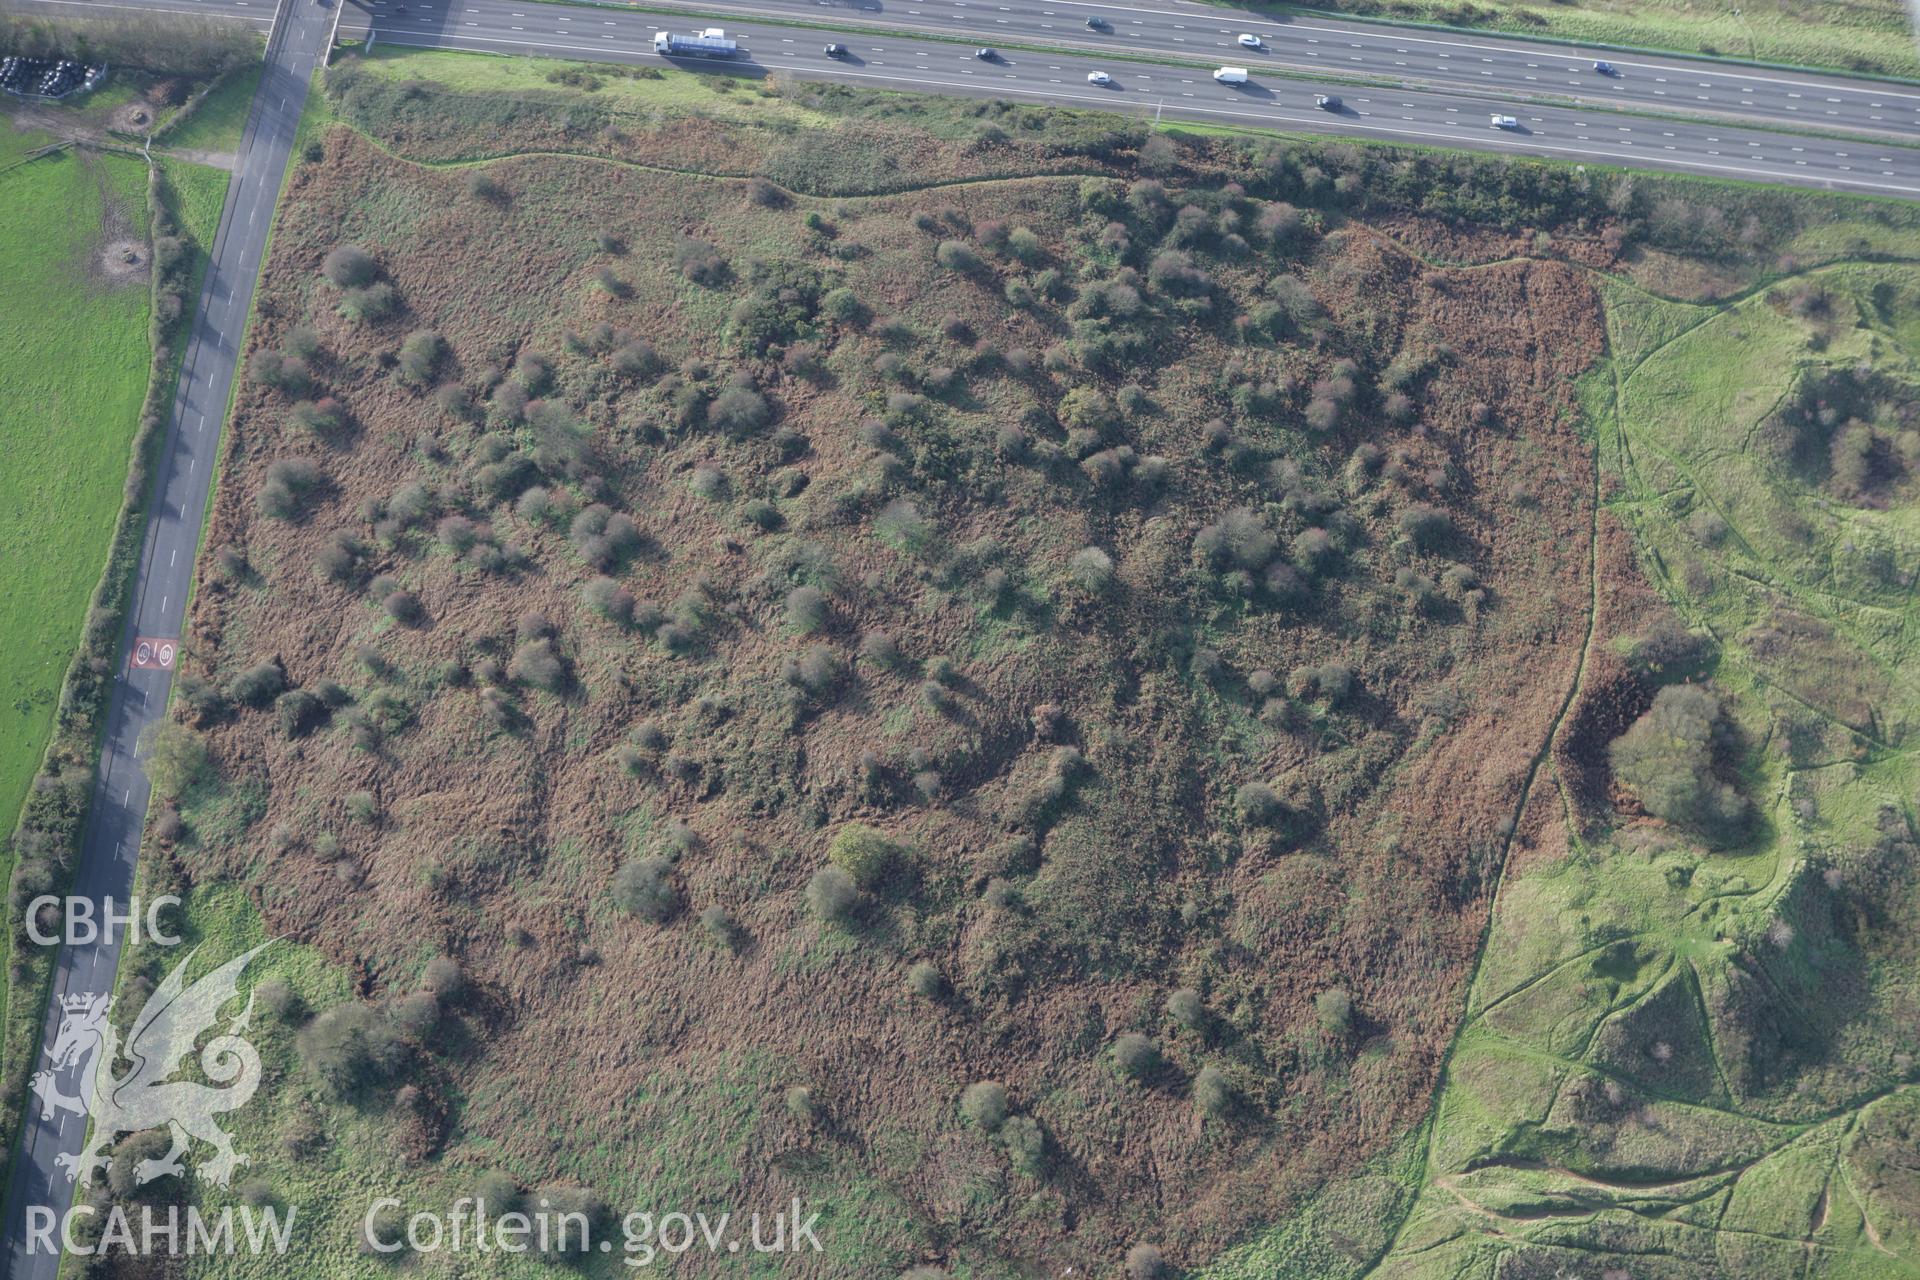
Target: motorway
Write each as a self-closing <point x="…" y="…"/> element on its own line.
<point x="1718" y="120"/>
<point x="1312" y="47"/>
<point x="111" y="842"/>
<point x="1190" y="93"/>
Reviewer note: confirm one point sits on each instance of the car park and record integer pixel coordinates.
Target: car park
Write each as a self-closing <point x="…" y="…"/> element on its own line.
<point x="1503" y="122"/>
<point x="1250" y="41"/>
<point x="1327" y="101"/>
<point x="1099" y="77"/>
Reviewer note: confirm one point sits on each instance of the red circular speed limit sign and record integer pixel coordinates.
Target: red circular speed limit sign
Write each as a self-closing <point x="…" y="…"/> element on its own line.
<point x="154" y="653"/>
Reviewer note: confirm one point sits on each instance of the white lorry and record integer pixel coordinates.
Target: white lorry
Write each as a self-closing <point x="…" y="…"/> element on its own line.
<point x="711" y="43"/>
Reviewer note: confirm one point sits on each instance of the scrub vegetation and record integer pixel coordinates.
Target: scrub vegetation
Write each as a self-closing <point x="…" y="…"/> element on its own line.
<point x="1052" y="715"/>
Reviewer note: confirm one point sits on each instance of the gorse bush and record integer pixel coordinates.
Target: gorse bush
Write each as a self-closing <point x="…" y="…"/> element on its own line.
<point x="1091" y="569"/>
<point x="958" y="255"/>
<point x="370" y="304"/>
<point x="833" y="896"/>
<point x="538" y="663"/>
<point x="1213" y="1093"/>
<point x="865" y="854"/>
<point x="1135" y="1055"/>
<point x="1334" y="1010"/>
<point x="352" y="1047"/>
<point x="421" y="355"/>
<point x="925" y="980"/>
<point x="1237" y="540"/>
<point x="806" y="609"/>
<point x="985" y="1105"/>
<point x="349" y="266"/>
<point x="1187" y="1009"/>
<point x="258" y="685"/>
<point x="645" y="889"/>
<point x="1026" y="1145"/>
<point x="609" y="599"/>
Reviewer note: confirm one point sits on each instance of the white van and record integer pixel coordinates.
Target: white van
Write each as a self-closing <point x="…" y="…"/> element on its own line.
<point x="1231" y="75"/>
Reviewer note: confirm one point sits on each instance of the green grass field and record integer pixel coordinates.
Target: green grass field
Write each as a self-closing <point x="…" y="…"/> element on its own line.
<point x="75" y="369"/>
<point x="1613" y="1089"/>
<point x="217" y="123"/>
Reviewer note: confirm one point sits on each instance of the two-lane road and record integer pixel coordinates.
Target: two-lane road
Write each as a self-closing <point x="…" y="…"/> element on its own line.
<point x="111" y="842"/>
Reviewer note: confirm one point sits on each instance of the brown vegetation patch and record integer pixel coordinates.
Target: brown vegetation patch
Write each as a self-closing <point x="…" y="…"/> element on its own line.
<point x="1289" y="797"/>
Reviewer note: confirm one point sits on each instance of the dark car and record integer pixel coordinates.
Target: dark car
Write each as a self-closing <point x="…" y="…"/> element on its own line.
<point x="1605" y="68"/>
<point x="836" y="51"/>
<point x="1328" y="102"/>
<point x="986" y="55"/>
<point x="1096" y="24"/>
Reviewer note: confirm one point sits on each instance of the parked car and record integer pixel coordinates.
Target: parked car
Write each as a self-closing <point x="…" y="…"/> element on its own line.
<point x="1605" y="68"/>
<point x="1250" y="41"/>
<point x="1327" y="101"/>
<point x="1503" y="122"/>
<point x="985" y="55"/>
<point x="836" y="51"/>
<point x="1099" y="77"/>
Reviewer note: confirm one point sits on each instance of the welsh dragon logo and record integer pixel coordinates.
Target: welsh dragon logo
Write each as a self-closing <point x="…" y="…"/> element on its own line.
<point x="166" y="1030"/>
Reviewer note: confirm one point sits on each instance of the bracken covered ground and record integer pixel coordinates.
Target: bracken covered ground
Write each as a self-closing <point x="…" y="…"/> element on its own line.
<point x="1196" y="590"/>
<point x="497" y="845"/>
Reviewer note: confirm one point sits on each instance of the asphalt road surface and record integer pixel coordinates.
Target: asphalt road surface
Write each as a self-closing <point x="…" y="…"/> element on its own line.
<point x="1311" y="47"/>
<point x="1729" y="122"/>
<point x="1510" y="67"/>
<point x="1189" y="93"/>
<point x="112" y="838"/>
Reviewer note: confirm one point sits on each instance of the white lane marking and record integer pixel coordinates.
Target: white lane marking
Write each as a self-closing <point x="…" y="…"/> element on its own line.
<point x="1478" y="140"/>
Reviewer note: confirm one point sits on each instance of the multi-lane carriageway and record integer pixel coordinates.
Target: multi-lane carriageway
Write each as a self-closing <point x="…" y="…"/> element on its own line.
<point x="1398" y="84"/>
<point x="1170" y="30"/>
<point x="1726" y="135"/>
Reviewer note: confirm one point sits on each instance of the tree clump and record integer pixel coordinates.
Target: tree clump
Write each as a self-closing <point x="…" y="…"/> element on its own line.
<point x="1669" y="757"/>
